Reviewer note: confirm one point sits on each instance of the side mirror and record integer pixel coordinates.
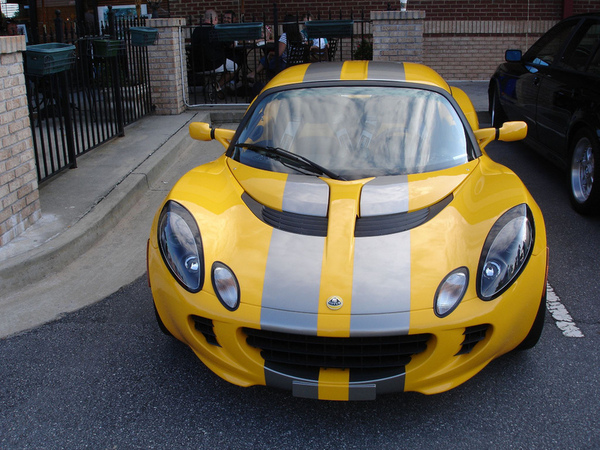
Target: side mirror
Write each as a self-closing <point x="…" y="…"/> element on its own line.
<point x="510" y="131"/>
<point x="202" y="131"/>
<point x="513" y="55"/>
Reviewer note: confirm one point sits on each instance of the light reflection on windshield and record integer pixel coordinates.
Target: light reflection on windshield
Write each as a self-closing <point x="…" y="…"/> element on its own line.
<point x="358" y="132"/>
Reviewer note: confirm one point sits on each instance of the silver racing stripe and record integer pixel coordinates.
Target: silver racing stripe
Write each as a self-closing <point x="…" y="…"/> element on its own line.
<point x="290" y="300"/>
<point x="384" y="195"/>
<point x="320" y="72"/>
<point x="387" y="71"/>
<point x="381" y="285"/>
<point x="388" y="324"/>
<point x="306" y="195"/>
<point x="332" y="71"/>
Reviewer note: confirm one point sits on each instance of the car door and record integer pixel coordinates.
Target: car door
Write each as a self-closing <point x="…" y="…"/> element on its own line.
<point x="517" y="92"/>
<point x="539" y="63"/>
<point x="565" y="89"/>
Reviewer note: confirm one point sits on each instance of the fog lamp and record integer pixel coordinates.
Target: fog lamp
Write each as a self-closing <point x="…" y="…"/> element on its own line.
<point x="451" y="291"/>
<point x="226" y="286"/>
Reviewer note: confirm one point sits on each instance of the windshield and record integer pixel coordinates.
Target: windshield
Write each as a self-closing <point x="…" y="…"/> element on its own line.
<point x="355" y="132"/>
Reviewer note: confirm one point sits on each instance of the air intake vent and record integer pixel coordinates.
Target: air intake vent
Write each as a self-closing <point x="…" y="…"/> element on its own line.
<point x="205" y="326"/>
<point x="396" y="223"/>
<point x="365" y="226"/>
<point x="472" y="336"/>
<point x="287" y="221"/>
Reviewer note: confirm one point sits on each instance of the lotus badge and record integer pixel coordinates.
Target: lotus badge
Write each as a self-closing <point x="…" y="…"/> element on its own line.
<point x="335" y="303"/>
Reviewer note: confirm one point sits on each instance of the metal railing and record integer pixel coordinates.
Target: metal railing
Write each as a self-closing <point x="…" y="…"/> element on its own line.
<point x="73" y="111"/>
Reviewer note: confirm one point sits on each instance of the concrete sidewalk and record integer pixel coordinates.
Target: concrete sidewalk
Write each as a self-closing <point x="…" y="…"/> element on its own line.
<point x="95" y="219"/>
<point x="81" y="204"/>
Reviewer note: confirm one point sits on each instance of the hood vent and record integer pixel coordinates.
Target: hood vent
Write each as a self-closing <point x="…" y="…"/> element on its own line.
<point x="287" y="221"/>
<point x="365" y="226"/>
<point x="399" y="222"/>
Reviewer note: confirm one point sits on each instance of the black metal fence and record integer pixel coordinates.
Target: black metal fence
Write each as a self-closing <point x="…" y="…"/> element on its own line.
<point x="251" y="44"/>
<point x="84" y="92"/>
<point x="106" y="84"/>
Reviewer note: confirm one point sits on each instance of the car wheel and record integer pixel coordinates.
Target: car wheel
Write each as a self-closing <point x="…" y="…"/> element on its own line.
<point x="535" y="332"/>
<point x="210" y="92"/>
<point x="496" y="111"/>
<point x="582" y="189"/>
<point x="161" y="325"/>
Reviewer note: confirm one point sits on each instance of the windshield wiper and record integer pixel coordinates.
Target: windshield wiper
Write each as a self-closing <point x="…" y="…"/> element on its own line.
<point x="292" y="160"/>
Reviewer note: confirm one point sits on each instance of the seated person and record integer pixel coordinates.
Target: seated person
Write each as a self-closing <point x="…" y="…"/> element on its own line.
<point x="209" y="53"/>
<point x="318" y="49"/>
<point x="291" y="33"/>
<point x="319" y="46"/>
<point x="229" y="16"/>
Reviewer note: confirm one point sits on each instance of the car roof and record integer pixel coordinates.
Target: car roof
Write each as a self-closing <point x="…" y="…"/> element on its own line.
<point x="589" y="14"/>
<point x="359" y="71"/>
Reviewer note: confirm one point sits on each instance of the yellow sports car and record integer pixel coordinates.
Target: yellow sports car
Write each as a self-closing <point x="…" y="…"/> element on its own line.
<point x="354" y="239"/>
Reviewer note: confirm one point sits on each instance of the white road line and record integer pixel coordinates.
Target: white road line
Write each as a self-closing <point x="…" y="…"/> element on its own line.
<point x="561" y="316"/>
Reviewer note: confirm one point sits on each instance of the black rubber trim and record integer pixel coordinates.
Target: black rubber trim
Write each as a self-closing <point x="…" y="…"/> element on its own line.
<point x="365" y="226"/>
<point x="288" y="221"/>
<point x="397" y="223"/>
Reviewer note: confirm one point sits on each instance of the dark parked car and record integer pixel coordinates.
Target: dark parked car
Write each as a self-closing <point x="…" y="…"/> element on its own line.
<point x="555" y="88"/>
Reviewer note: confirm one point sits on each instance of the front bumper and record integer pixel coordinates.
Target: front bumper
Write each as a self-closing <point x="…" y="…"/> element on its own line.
<point x="436" y="355"/>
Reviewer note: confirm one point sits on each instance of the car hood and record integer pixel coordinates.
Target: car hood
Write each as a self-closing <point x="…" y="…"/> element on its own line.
<point x="375" y="196"/>
<point x="301" y="245"/>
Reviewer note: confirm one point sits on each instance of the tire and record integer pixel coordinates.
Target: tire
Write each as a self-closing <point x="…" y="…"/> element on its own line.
<point x="210" y="92"/>
<point x="583" y="189"/>
<point x="161" y="325"/>
<point x="496" y="112"/>
<point x="535" y="332"/>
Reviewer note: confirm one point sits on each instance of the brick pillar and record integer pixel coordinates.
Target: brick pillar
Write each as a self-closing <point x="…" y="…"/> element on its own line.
<point x="166" y="80"/>
<point x="19" y="196"/>
<point x="397" y="35"/>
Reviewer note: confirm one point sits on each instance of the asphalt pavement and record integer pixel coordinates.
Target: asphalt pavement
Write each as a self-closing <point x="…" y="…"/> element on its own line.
<point x="91" y="239"/>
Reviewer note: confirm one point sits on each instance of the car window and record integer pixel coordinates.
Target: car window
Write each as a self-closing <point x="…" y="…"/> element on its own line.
<point x="358" y="132"/>
<point x="545" y="51"/>
<point x="594" y="66"/>
<point x="582" y="47"/>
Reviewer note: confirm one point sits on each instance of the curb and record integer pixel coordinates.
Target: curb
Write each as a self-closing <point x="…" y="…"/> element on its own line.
<point x="36" y="264"/>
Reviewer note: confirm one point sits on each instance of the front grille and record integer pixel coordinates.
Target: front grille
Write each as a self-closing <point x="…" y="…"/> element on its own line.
<point x="473" y="335"/>
<point x="205" y="326"/>
<point x="301" y="351"/>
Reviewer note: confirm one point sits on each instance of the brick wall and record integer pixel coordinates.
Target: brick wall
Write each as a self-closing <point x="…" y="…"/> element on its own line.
<point x="462" y="40"/>
<point x="458" y="49"/>
<point x="19" y="196"/>
<point x="471" y="50"/>
<point x="166" y="78"/>
<point x="534" y="10"/>
<point x="397" y="36"/>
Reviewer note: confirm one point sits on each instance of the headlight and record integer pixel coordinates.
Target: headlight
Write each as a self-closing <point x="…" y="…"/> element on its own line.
<point x="505" y="252"/>
<point x="180" y="246"/>
<point x="451" y="291"/>
<point x="226" y="286"/>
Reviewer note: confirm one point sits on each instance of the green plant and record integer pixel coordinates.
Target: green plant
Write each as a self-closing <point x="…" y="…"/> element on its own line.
<point x="364" y="51"/>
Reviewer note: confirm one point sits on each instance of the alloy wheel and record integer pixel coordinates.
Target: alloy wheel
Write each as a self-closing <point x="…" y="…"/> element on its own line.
<point x="582" y="170"/>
